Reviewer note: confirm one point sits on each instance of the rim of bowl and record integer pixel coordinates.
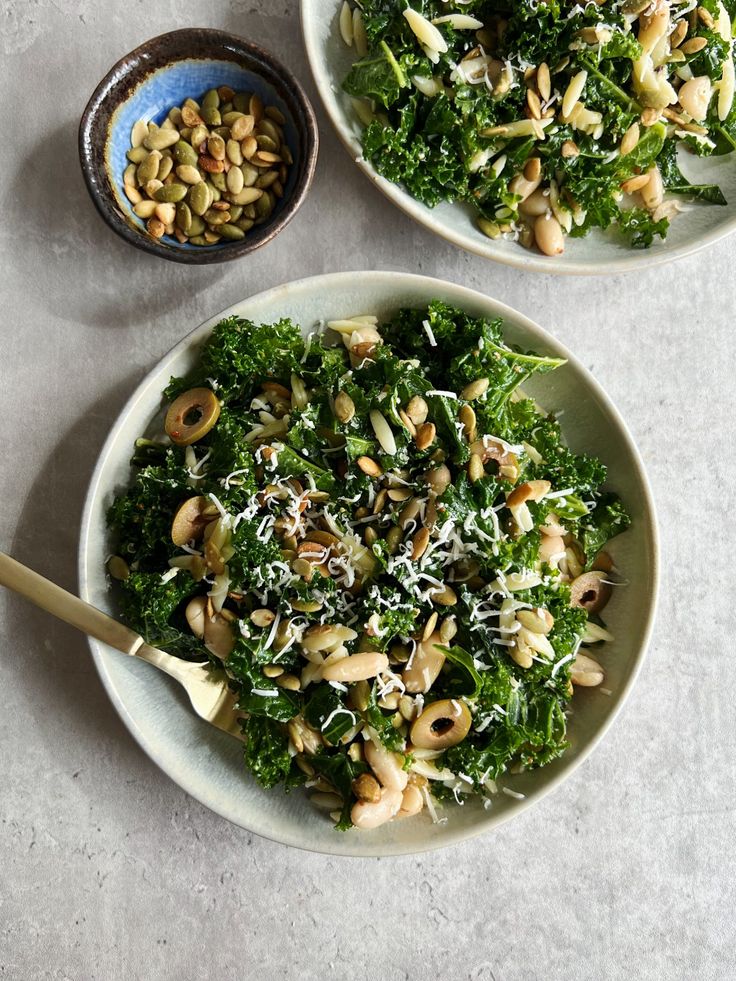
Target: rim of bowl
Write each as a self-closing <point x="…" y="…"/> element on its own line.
<point x="639" y="259"/>
<point x="273" y="70"/>
<point x="464" y="294"/>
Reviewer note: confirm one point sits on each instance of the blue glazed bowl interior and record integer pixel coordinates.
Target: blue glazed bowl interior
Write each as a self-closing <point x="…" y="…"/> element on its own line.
<point x="168" y="87"/>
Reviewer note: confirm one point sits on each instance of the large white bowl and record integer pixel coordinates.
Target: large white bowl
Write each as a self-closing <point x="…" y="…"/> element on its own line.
<point x="600" y="252"/>
<point x="208" y="764"/>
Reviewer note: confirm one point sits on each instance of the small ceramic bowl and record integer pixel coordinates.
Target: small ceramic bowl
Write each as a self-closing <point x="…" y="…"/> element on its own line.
<point x="162" y="73"/>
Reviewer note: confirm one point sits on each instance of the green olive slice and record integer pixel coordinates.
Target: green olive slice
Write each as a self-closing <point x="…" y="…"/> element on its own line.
<point x="441" y="725"/>
<point x="191" y="416"/>
<point x="189" y="523"/>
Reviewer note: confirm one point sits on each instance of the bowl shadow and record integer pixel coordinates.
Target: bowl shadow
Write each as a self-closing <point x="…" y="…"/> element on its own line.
<point x="55" y="674"/>
<point x="50" y="190"/>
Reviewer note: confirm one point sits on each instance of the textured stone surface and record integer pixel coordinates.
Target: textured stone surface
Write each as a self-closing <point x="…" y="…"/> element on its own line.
<point x="108" y="870"/>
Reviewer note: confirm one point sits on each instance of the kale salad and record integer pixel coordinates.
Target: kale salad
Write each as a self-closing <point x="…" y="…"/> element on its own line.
<point x="548" y="117"/>
<point x="386" y="546"/>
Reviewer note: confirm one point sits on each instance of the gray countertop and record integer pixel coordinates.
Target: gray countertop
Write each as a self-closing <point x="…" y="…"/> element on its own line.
<point x="108" y="869"/>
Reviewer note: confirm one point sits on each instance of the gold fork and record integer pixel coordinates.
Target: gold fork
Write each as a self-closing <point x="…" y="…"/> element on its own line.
<point x="209" y="694"/>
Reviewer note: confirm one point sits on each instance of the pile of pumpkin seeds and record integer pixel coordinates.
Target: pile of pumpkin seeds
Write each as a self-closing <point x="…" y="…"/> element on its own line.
<point x="213" y="170"/>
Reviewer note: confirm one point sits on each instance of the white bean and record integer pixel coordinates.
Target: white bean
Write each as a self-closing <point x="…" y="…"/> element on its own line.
<point x="548" y="235"/>
<point x="411" y="803"/>
<point x="357" y="667"/>
<point x="366" y="815"/>
<point x="585" y="672"/>
<point x="386" y="766"/>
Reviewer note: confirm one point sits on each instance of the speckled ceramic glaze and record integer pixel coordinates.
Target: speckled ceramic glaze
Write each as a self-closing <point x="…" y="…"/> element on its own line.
<point x="207" y="763"/>
<point x="599" y="252"/>
<point x="161" y="74"/>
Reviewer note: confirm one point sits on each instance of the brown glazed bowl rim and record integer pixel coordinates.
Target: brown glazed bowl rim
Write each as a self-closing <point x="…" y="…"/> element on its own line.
<point x="154" y="55"/>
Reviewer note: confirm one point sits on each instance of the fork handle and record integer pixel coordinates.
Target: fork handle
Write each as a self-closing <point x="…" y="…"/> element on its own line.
<point x="67" y="607"/>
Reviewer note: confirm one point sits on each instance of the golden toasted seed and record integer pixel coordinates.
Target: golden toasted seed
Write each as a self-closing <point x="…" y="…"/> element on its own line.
<point x="129" y="175"/>
<point x="420" y="541"/>
<point x="630" y="139"/>
<point x="216" y="147"/>
<point x="344" y="407"/>
<point x="408" y="423"/>
<point x="369" y="466"/>
<point x="635" y="183"/>
<point x="569" y="149"/>
<point x="448" y="629"/>
<point x="249" y="147"/>
<point x="262" y="617"/>
<point x="366" y="787"/>
<point x="426" y="434"/>
<point x="476" y="470"/>
<point x="417" y="410"/>
<point x="394" y="539"/>
<point x="467" y="417"/>
<point x="233" y="151"/>
<point x="475" y="389"/>
<point x="706" y="17"/>
<point x="255" y="107"/>
<point x="694" y="45"/>
<point x="447" y="597"/>
<point x="156" y="227"/>
<point x="165" y="213"/>
<point x="171" y="192"/>
<point x="491" y="229"/>
<point x="242" y="127"/>
<point x="429" y="626"/>
<point x="543" y="81"/>
<point x="288" y="681"/>
<point x="190" y="116"/>
<point x="533" y="169"/>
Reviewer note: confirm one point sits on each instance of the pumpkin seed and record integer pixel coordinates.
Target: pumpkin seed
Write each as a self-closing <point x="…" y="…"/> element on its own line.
<point x="198" y="240"/>
<point x="249" y="147"/>
<point x="231" y="232"/>
<point x="213" y="217"/>
<point x="255" y="107"/>
<point x="155" y="227"/>
<point x="199" y="198"/>
<point x="235" y="180"/>
<point x="236" y="211"/>
<point x="273" y="113"/>
<point x="185" y="154"/>
<point x="199" y="136"/>
<point x="248" y="195"/>
<point x="234" y="153"/>
<point x="278" y="189"/>
<point x="188" y="174"/>
<point x="250" y="174"/>
<point x="184" y="217"/>
<point x="219" y="181"/>
<point x="190" y="115"/>
<point x="211" y="99"/>
<point x="152" y="186"/>
<point x="160" y="139"/>
<point x="216" y="147"/>
<point x="144" y="209"/>
<point x="137" y="154"/>
<point x="266" y="143"/>
<point x="171" y="192"/>
<point x="138" y="133"/>
<point x="242" y="127"/>
<point x="175" y="116"/>
<point x="264" y="205"/>
<point x="211" y="238"/>
<point x="241" y="101"/>
<point x="165" y="168"/>
<point x="148" y="168"/>
<point x="229" y="118"/>
<point x="129" y="175"/>
<point x="286" y="154"/>
<point x="267" y="179"/>
<point x="118" y="567"/>
<point x="166" y="213"/>
<point x="211" y="116"/>
<point x="245" y="223"/>
<point x="198" y="226"/>
<point x="267" y="128"/>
